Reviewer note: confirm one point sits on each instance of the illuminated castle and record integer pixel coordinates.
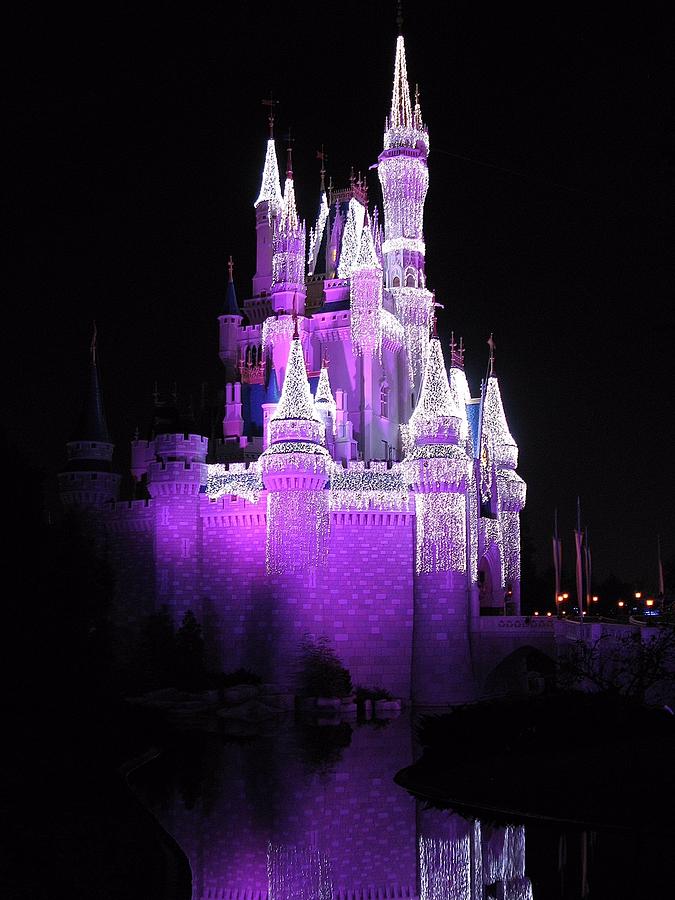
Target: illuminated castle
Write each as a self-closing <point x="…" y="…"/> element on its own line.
<point x="359" y="490"/>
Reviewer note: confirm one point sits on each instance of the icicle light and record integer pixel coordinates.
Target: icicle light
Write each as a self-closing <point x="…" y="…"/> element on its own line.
<point x="270" y="189"/>
<point x="365" y="297"/>
<point x="415" y="308"/>
<point x="237" y="479"/>
<point x="351" y="238"/>
<point x="297" y="873"/>
<point x="316" y="235"/>
<point x="361" y="488"/>
<point x="440" y="544"/>
<point x="297" y="531"/>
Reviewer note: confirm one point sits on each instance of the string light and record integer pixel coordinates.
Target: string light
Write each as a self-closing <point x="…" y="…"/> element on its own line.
<point x="270" y="189"/>
<point x="351" y="238"/>
<point x="298" y="526"/>
<point x="437" y="416"/>
<point x="288" y="244"/>
<point x="296" y="401"/>
<point x="440" y="532"/>
<point x="405" y="181"/>
<point x="237" y="479"/>
<point x="374" y="488"/>
<point x="324" y="400"/>
<point x="365" y="297"/>
<point x="316" y="235"/>
<point x="275" y="330"/>
<point x="415" y="309"/>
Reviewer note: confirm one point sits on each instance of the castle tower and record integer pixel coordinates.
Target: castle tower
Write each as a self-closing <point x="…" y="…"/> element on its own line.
<point x="230" y="323"/>
<point x="438" y="468"/>
<point x="288" y="245"/>
<point x="404" y="176"/>
<point x="272" y="397"/>
<point x="267" y="209"/>
<point x="295" y="470"/>
<point x="502" y="497"/>
<point x="88" y="479"/>
<point x="325" y="407"/>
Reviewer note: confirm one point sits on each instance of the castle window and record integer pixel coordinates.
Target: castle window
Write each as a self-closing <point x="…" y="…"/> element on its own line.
<point x="410" y="278"/>
<point x="384" y="400"/>
<point x="396" y="282"/>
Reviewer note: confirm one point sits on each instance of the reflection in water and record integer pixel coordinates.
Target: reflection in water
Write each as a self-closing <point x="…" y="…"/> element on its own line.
<point x="288" y="816"/>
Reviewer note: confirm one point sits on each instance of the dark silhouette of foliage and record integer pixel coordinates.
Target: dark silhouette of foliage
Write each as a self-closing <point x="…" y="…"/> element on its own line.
<point x="190" y="664"/>
<point x="321" y="672"/>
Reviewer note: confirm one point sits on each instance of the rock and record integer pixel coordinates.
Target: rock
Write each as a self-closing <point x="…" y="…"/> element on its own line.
<point x="328" y="703"/>
<point x="240" y="693"/>
<point x="250" y="711"/>
<point x="387" y="706"/>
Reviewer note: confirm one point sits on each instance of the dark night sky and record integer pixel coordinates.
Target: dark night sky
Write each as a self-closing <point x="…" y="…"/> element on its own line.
<point x="138" y="140"/>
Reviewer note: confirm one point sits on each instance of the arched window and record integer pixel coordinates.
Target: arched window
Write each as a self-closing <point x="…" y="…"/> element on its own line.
<point x="410" y="278"/>
<point x="396" y="282"/>
<point x="384" y="400"/>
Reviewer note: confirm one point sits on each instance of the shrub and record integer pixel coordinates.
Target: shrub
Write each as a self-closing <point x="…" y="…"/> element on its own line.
<point x="376" y="693"/>
<point x="321" y="672"/>
<point x="232" y="679"/>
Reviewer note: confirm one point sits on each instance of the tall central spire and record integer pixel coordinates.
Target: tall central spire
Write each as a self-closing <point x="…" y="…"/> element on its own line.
<point x="401" y="110"/>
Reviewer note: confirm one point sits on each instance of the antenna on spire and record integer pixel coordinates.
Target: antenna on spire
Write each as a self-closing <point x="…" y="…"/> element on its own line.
<point x="289" y="149"/>
<point x="321" y="154"/>
<point x="491" y="344"/>
<point x="295" y="320"/>
<point x="230" y="267"/>
<point x="434" y="320"/>
<point x="271" y="103"/>
<point x="92" y="346"/>
<point x="399" y="16"/>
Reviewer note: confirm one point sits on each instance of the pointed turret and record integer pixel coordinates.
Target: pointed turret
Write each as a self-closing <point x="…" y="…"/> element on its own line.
<point x="404" y="176"/>
<point x="288" y="245"/>
<point x="437" y="418"/>
<point x="88" y="479"/>
<point x="324" y="402"/>
<point x="230" y="323"/>
<point x="365" y="295"/>
<point x="267" y="209"/>
<point x="270" y="403"/>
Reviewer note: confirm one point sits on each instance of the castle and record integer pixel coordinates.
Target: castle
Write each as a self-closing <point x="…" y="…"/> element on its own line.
<point x="359" y="492"/>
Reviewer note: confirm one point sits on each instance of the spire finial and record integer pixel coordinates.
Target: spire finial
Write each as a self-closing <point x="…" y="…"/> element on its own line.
<point x="230" y="267"/>
<point x="289" y="151"/>
<point x="320" y="154"/>
<point x="434" y="320"/>
<point x="491" y="344"/>
<point x="399" y="16"/>
<point x="271" y="103"/>
<point x="92" y="346"/>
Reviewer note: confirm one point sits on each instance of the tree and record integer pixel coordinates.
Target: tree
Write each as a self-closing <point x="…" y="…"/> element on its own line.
<point x="639" y="665"/>
<point x="321" y="672"/>
<point x="190" y="655"/>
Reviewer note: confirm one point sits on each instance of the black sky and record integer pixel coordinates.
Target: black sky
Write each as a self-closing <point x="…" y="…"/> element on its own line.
<point x="138" y="138"/>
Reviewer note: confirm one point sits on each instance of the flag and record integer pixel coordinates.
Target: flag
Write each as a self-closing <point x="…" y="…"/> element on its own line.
<point x="587" y="566"/>
<point x="557" y="558"/>
<point x="578" y="541"/>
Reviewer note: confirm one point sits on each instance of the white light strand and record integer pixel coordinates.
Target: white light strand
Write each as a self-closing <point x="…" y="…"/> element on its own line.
<point x="392" y="330"/>
<point x="365" y="297"/>
<point x="323" y="398"/>
<point x="436" y="412"/>
<point x="275" y="329"/>
<point x="440" y="531"/>
<point x="316" y="235"/>
<point x="495" y="426"/>
<point x="368" y="489"/>
<point x="298" y="526"/>
<point x="491" y="536"/>
<point x="405" y="181"/>
<point x="297" y="873"/>
<point x="351" y="238"/>
<point x="445" y="868"/>
<point x="413" y="245"/>
<point x="234" y="479"/>
<point x="401" y="111"/>
<point x="296" y="400"/>
<point x="510" y="522"/>
<point x="415" y="308"/>
<point x="288" y="243"/>
<point x="270" y="189"/>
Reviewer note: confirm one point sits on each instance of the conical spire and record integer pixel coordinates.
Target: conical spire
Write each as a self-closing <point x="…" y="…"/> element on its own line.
<point x="270" y="188"/>
<point x="367" y="257"/>
<point x="436" y="401"/>
<point x="323" y="399"/>
<point x="231" y="305"/>
<point x="289" y="213"/>
<point x="92" y="424"/>
<point x="296" y="396"/>
<point x="272" y="392"/>
<point x="401" y="111"/>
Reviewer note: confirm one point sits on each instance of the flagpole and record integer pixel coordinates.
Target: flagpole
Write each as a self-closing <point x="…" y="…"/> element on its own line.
<point x="557" y="559"/>
<point x="662" y="590"/>
<point x="578" y="538"/>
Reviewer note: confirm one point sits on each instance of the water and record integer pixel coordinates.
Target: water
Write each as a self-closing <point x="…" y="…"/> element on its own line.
<point x="311" y="812"/>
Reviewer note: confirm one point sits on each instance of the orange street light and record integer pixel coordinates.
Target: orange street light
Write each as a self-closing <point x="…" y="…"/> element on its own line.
<point x="620" y="603"/>
<point x="638" y="595"/>
<point x="565" y="596"/>
<point x="595" y="599"/>
<point x="649" y="602"/>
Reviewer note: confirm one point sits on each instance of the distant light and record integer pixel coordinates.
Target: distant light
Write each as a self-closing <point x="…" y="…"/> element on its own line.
<point x="638" y="595"/>
<point x="560" y="598"/>
<point x="549" y="614"/>
<point x="595" y="599"/>
<point x="565" y="596"/>
<point x="536" y="613"/>
<point x="584" y="613"/>
<point x="649" y="602"/>
<point x="621" y="603"/>
<point x="564" y="612"/>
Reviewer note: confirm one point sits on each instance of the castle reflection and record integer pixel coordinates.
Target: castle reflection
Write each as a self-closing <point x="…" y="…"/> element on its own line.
<point x="312" y="812"/>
